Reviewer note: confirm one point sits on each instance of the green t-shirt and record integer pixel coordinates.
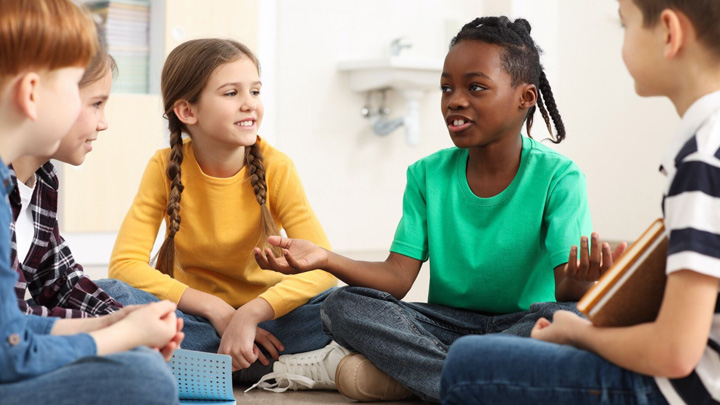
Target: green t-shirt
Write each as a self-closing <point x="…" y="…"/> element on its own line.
<point x="493" y="254"/>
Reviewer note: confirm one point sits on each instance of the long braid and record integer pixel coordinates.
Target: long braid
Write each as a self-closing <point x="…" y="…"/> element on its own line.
<point x="256" y="173"/>
<point x="521" y="60"/>
<point x="551" y="108"/>
<point x="166" y="255"/>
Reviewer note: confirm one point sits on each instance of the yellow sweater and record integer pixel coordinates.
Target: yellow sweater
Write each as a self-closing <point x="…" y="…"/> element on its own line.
<point x="220" y="225"/>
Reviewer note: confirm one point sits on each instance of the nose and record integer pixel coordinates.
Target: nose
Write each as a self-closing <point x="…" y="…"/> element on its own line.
<point x="102" y="123"/>
<point x="249" y="104"/>
<point x="456" y="101"/>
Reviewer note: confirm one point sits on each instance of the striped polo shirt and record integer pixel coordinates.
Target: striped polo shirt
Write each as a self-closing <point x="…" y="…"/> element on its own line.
<point x="691" y="206"/>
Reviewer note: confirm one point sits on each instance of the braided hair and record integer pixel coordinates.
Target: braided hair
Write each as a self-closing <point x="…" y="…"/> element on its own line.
<point x="520" y="59"/>
<point x="185" y="73"/>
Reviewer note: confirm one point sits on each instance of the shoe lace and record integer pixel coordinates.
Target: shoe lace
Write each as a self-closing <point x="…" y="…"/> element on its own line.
<point x="301" y="371"/>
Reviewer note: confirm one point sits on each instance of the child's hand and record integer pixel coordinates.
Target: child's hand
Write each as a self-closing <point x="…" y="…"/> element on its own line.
<point x="155" y="324"/>
<point x="174" y="343"/>
<point x="561" y="330"/>
<point x="239" y="341"/>
<point x="118" y="316"/>
<point x="593" y="261"/>
<point x="298" y="256"/>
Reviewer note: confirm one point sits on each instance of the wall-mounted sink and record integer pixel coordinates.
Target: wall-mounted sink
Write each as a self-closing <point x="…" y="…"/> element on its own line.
<point x="398" y="72"/>
<point x="411" y="77"/>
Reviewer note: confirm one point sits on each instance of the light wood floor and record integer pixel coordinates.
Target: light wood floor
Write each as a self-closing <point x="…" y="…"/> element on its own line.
<point x="302" y="398"/>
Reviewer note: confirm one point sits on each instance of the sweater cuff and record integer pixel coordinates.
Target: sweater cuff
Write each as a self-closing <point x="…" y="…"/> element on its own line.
<point x="176" y="292"/>
<point x="279" y="306"/>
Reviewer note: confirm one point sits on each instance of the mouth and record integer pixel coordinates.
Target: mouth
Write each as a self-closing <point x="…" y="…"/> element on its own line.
<point x="88" y="144"/>
<point x="458" y="123"/>
<point x="246" y="124"/>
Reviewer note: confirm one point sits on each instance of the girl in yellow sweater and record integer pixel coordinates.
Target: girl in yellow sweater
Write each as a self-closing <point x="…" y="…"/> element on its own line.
<point x="231" y="189"/>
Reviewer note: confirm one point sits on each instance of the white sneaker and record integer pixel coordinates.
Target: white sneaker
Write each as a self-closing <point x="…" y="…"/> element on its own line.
<point x="304" y="371"/>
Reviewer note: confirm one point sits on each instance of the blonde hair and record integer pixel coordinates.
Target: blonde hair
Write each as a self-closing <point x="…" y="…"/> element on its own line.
<point x="44" y="34"/>
<point x="186" y="71"/>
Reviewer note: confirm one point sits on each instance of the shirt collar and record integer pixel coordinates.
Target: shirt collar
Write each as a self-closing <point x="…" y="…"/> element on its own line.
<point x="694" y="117"/>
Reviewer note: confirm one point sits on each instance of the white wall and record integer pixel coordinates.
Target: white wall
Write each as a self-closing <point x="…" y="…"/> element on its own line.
<point x="355" y="179"/>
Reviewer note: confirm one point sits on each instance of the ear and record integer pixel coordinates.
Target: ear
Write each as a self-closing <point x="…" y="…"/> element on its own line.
<point x="528" y="96"/>
<point x="185" y="112"/>
<point x="673" y="32"/>
<point x="26" y="94"/>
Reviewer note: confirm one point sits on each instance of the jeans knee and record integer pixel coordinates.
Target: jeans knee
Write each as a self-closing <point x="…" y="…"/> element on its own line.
<point x="350" y="308"/>
<point x="330" y="309"/>
<point x="145" y="367"/>
<point x="111" y="285"/>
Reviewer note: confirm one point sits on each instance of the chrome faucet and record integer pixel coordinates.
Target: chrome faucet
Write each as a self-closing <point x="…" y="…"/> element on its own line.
<point x="396" y="46"/>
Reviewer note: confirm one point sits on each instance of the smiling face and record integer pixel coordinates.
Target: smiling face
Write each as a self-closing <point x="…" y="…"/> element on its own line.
<point x="78" y="142"/>
<point x="479" y="103"/>
<point x="229" y="111"/>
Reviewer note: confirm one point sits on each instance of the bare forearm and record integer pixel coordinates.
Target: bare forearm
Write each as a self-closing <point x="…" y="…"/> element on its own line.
<point x="78" y="325"/>
<point x="115" y="338"/>
<point x="645" y="348"/>
<point x="384" y="276"/>
<point x="199" y="303"/>
<point x="257" y="311"/>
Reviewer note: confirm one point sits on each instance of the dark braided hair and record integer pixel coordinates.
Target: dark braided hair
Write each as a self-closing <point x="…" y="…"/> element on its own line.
<point x="185" y="73"/>
<point x="520" y="59"/>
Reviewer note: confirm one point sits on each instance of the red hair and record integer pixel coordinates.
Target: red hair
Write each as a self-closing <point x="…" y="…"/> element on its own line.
<point x="44" y="34"/>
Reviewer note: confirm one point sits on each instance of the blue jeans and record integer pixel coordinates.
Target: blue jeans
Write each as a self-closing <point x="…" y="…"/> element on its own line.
<point x="409" y="341"/>
<point x="299" y="331"/>
<point x="138" y="376"/>
<point x="512" y="370"/>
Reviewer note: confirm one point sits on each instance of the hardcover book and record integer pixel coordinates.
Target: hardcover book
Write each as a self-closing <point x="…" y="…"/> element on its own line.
<point x="631" y="290"/>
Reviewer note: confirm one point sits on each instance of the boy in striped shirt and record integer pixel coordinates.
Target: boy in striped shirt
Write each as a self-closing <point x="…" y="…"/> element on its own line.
<point x="671" y="48"/>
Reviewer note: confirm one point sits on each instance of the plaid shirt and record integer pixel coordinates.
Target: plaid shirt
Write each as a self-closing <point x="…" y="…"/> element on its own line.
<point x="56" y="283"/>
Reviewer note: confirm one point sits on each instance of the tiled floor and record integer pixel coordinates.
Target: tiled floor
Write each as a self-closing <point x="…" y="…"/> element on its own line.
<point x="301" y="398"/>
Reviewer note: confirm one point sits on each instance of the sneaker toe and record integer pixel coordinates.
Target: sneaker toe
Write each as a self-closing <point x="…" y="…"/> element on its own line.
<point x="357" y="378"/>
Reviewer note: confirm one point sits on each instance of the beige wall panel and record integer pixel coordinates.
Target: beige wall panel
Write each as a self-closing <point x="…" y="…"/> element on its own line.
<point x="96" y="195"/>
<point x="189" y="19"/>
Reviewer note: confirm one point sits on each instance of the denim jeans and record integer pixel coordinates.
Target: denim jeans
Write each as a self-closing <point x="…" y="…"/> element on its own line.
<point x="512" y="370"/>
<point x="409" y="341"/>
<point x="138" y="376"/>
<point x="299" y="331"/>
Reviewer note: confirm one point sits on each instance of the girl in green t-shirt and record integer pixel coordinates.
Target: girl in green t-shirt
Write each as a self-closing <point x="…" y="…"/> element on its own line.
<point x="495" y="216"/>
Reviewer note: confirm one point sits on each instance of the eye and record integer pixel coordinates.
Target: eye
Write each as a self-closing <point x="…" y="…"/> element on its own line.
<point x="98" y="104"/>
<point x="255" y="92"/>
<point x="445" y="89"/>
<point x="476" y="87"/>
<point x="231" y="93"/>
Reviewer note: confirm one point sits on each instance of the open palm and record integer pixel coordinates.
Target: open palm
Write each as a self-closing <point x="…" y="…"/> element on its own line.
<point x="298" y="256"/>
